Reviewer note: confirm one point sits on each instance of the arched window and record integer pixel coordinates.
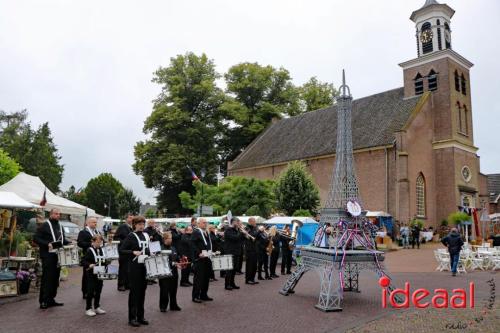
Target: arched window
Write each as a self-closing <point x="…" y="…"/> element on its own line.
<point x="432" y="80"/>
<point x="426" y="38"/>
<point x="463" y="84"/>
<point x="459" y="111"/>
<point x="439" y="34"/>
<point x="447" y="35"/>
<point x="466" y="120"/>
<point x="420" y="186"/>
<point x="419" y="84"/>
<point x="457" y="81"/>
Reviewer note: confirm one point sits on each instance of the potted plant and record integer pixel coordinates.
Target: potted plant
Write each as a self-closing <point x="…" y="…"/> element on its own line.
<point x="24" y="278"/>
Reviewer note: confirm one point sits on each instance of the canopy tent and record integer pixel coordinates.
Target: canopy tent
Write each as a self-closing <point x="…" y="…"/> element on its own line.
<point x="305" y="234"/>
<point x="377" y="214"/>
<point x="11" y="200"/>
<point x="31" y="189"/>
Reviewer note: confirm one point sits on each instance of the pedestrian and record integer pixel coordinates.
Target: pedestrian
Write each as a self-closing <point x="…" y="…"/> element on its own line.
<point x="251" y="252"/>
<point x="49" y="237"/>
<point x="233" y="238"/>
<point x="136" y="248"/>
<point x="84" y="241"/>
<point x="415" y="236"/>
<point x="94" y="257"/>
<point x="405" y="235"/>
<point x="120" y="235"/>
<point x="168" y="284"/>
<point x="186" y="250"/>
<point x="203" y="249"/>
<point x="454" y="243"/>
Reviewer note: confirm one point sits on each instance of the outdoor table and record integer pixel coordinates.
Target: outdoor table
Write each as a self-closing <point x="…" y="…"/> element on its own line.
<point x="427" y="235"/>
<point x="17" y="263"/>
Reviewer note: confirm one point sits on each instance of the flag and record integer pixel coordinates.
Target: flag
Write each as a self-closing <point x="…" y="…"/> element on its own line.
<point x="193" y="175"/>
<point x="44" y="198"/>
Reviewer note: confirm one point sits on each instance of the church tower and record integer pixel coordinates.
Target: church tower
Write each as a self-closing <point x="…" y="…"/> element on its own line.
<point x="441" y="75"/>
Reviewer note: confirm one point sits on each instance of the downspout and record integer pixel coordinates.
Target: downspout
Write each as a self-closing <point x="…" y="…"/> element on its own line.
<point x="386" y="181"/>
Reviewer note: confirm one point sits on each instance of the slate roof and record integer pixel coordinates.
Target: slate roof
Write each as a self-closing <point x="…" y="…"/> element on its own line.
<point x="375" y="119"/>
<point x="494" y="186"/>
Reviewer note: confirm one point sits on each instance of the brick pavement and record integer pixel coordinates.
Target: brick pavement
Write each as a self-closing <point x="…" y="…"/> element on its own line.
<point x="258" y="308"/>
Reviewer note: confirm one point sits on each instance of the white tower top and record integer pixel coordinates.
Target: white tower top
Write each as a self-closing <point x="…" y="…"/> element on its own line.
<point x="432" y="22"/>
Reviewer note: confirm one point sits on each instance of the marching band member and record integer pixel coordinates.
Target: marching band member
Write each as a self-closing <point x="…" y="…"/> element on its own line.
<point x="84" y="242"/>
<point x="168" y="285"/>
<point x="50" y="236"/>
<point x="94" y="256"/>
<point x="251" y="252"/>
<point x="216" y="242"/>
<point x="286" y="252"/>
<point x="275" y="253"/>
<point x="154" y="234"/>
<point x="233" y="238"/>
<point x="121" y="234"/>
<point x="136" y="247"/>
<point x="176" y="235"/>
<point x="262" y="257"/>
<point x="202" y="250"/>
<point x="186" y="249"/>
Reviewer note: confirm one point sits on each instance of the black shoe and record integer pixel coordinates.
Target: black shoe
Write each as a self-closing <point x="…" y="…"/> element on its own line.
<point x="196" y="300"/>
<point x="122" y="288"/>
<point x="250" y="282"/>
<point x="54" y="303"/>
<point x="260" y="278"/>
<point x="143" y="321"/>
<point x="291" y="291"/>
<point x="207" y="298"/>
<point x="134" y="323"/>
<point x="228" y="288"/>
<point x="239" y="273"/>
<point x="214" y="279"/>
<point x="44" y="306"/>
<point x="268" y="278"/>
<point x="183" y="284"/>
<point x="275" y="276"/>
<point x="175" y="308"/>
<point x="163" y="310"/>
<point x="150" y="282"/>
<point x="84" y="296"/>
<point x="453" y="274"/>
<point x="288" y="273"/>
<point x="235" y="286"/>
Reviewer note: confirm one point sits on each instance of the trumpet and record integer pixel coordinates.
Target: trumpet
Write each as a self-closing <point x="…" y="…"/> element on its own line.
<point x="245" y="233"/>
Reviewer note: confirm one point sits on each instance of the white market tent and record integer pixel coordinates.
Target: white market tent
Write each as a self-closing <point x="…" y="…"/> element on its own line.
<point x="13" y="201"/>
<point x="289" y="219"/>
<point x="31" y="189"/>
<point x="377" y="214"/>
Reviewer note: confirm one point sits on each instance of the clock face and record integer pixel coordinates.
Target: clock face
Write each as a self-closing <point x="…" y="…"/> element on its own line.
<point x="466" y="174"/>
<point x="426" y="36"/>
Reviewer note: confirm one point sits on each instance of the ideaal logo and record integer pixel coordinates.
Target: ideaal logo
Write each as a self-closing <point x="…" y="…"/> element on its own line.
<point x="439" y="300"/>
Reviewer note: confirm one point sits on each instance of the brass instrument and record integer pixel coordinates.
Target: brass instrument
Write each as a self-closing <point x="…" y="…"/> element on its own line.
<point x="245" y="233"/>
<point x="296" y="224"/>
<point x="270" y="244"/>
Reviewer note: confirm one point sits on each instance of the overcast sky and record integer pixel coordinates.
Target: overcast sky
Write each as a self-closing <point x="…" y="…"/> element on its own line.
<point x="86" y="66"/>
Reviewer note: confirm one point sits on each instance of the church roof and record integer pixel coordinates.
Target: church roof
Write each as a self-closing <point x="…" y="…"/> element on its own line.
<point x="494" y="186"/>
<point x="375" y="119"/>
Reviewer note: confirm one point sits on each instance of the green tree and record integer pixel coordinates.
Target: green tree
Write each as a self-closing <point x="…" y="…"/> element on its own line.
<point x="295" y="189"/>
<point x="184" y="129"/>
<point x="302" y="212"/>
<point x="102" y="194"/>
<point x="150" y="213"/>
<point x="458" y="217"/>
<point x="35" y="151"/>
<point x="315" y="95"/>
<point x="127" y="202"/>
<point x="257" y="94"/>
<point x="8" y="167"/>
<point x="241" y="195"/>
<point x="76" y="196"/>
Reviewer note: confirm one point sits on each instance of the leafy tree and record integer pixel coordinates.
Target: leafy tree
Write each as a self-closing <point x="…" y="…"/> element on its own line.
<point x="315" y="95"/>
<point x="184" y="129"/>
<point x="8" y="167"/>
<point x="150" y="213"/>
<point x="76" y="196"/>
<point x="257" y="94"/>
<point x="295" y="189"/>
<point x="457" y="217"/>
<point x="127" y="202"/>
<point x="241" y="195"/>
<point x="102" y="194"/>
<point x="302" y="212"/>
<point x="35" y="151"/>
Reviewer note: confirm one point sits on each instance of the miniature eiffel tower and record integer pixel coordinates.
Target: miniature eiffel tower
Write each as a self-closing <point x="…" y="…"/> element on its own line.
<point x="343" y="244"/>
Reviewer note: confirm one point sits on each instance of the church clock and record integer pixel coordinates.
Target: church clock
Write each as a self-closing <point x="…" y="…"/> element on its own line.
<point x="426" y="36"/>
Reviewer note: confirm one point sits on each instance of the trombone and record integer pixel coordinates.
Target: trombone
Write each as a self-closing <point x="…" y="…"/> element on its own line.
<point x="245" y="233"/>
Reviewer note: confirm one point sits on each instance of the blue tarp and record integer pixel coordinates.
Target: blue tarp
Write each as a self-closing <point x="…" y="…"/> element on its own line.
<point x="305" y="234"/>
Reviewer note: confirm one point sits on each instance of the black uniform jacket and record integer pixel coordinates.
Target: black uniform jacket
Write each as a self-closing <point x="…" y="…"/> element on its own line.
<point x="198" y="243"/>
<point x="130" y="244"/>
<point x="89" y="258"/>
<point x="43" y="237"/>
<point x="262" y="241"/>
<point x="122" y="232"/>
<point x="233" y="239"/>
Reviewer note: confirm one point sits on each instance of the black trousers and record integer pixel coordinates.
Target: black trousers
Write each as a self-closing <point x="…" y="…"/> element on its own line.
<point x="84" y="282"/>
<point x="94" y="289"/>
<point x="201" y="278"/>
<point x="286" y="261"/>
<point x="250" y="266"/>
<point x="50" y="278"/>
<point x="415" y="241"/>
<point x="185" y="274"/>
<point x="168" y="291"/>
<point x="240" y="262"/>
<point x="262" y="264"/>
<point x="229" y="278"/>
<point x="274" y="261"/>
<point x="123" y="271"/>
<point x="137" y="294"/>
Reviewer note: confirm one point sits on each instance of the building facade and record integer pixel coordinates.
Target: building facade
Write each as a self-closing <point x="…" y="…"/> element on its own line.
<point x="414" y="148"/>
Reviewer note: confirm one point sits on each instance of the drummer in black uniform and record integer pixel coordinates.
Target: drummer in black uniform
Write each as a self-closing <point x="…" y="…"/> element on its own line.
<point x="120" y="235"/>
<point x="202" y="263"/>
<point x="136" y="247"/>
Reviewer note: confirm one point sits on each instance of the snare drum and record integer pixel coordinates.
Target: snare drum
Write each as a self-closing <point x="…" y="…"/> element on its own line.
<point x="111" y="273"/>
<point x="157" y="267"/>
<point x="222" y="263"/>
<point x="68" y="256"/>
<point x="110" y="250"/>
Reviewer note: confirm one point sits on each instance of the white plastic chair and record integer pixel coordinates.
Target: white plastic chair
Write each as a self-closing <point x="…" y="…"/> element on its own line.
<point x="443" y="260"/>
<point x="495" y="263"/>
<point x="477" y="261"/>
<point x="462" y="263"/>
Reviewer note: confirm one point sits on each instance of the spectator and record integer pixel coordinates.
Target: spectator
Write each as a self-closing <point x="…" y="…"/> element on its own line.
<point x="454" y="243"/>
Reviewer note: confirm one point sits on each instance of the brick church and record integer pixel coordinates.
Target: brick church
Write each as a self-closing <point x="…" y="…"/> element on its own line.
<point x="413" y="146"/>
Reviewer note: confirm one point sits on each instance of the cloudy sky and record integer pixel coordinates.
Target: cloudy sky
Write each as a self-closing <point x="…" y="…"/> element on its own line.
<point x="86" y="66"/>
